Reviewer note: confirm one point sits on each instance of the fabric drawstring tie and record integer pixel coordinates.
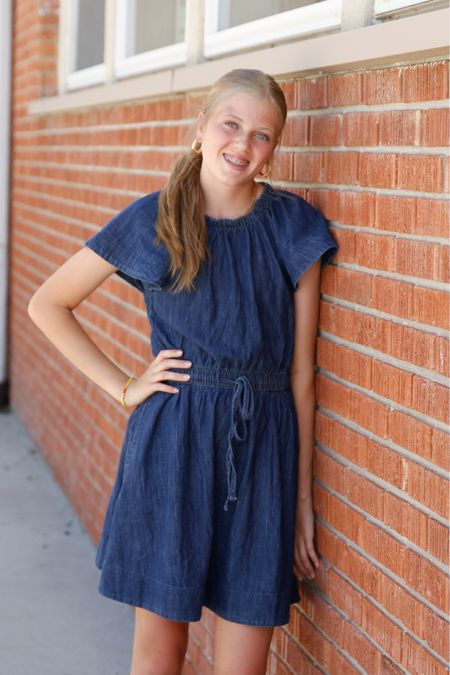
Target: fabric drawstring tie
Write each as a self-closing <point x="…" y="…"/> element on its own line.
<point x="242" y="406"/>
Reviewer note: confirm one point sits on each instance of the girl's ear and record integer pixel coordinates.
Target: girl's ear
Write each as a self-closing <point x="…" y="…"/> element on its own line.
<point x="200" y="123"/>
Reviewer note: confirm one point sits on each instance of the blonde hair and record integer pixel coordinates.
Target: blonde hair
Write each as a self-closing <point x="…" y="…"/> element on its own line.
<point x="180" y="224"/>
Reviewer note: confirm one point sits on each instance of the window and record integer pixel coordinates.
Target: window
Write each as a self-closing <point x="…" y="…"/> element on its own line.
<point x="105" y="40"/>
<point x="150" y="34"/>
<point x="231" y="25"/>
<point x="86" y="42"/>
<point x="236" y="12"/>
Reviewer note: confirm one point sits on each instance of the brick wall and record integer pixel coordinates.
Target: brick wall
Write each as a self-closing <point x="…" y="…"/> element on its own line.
<point x="368" y="148"/>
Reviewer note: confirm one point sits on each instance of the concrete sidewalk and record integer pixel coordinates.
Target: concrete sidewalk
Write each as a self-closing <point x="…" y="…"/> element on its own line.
<point x="53" y="621"/>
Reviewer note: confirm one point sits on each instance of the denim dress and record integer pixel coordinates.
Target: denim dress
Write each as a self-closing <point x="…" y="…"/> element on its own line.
<point x="203" y="508"/>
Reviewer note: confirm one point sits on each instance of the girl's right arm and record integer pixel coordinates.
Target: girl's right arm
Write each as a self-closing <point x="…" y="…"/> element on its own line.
<point x="51" y="309"/>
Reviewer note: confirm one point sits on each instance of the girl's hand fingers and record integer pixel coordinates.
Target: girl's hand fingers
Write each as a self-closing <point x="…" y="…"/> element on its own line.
<point x="312" y="555"/>
<point x="306" y="565"/>
<point x="176" y="363"/>
<point x="169" y="375"/>
<point x="167" y="353"/>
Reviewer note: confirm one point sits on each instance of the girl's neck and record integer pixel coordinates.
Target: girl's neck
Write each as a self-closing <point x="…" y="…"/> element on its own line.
<point x="230" y="202"/>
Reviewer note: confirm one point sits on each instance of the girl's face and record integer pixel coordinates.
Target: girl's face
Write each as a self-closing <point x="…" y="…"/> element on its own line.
<point x="238" y="138"/>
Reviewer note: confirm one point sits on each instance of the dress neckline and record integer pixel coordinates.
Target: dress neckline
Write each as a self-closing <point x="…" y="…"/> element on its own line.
<point x="251" y="217"/>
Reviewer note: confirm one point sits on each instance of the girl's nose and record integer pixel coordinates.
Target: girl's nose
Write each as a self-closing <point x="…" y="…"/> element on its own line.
<point x="243" y="140"/>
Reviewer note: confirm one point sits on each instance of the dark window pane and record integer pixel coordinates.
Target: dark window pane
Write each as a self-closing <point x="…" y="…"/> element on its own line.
<point x="90" y="33"/>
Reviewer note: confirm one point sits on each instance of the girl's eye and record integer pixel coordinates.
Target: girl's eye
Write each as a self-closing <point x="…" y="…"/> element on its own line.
<point x="262" y="136"/>
<point x="231" y="123"/>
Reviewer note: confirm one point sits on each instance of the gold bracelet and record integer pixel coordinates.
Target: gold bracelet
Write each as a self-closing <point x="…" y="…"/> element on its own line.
<point x="122" y="398"/>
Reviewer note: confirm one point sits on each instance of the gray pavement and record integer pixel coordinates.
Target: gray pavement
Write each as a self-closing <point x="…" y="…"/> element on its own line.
<point x="53" y="621"/>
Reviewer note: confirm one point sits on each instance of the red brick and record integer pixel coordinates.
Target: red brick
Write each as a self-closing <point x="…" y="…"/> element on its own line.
<point x="405" y="519"/>
<point x="431" y="306"/>
<point x="415" y="346"/>
<point x="427" y="579"/>
<point x="326" y="201"/>
<point x="353" y="286"/>
<point x="410" y="433"/>
<point x="429" y="489"/>
<point x="356" y="208"/>
<point x="364" y="494"/>
<point x="361" y="649"/>
<point x="382" y="86"/>
<point x="398" y="127"/>
<point x="344" y="441"/>
<point x="307" y="167"/>
<point x="332" y="395"/>
<point x="397" y="296"/>
<point x="296" y="131"/>
<point x="425" y="81"/>
<point x="325" y="130"/>
<point x="391" y="382"/>
<point x="436" y="127"/>
<point x="433" y="217"/>
<point x="360" y="129"/>
<point x="385" y="463"/>
<point x="345" y="89"/>
<point x="344" y="596"/>
<point x="431" y="398"/>
<point x="374" y="251"/>
<point x="388" y="635"/>
<point x="419" y="660"/>
<point x="324" y="354"/>
<point x="419" y="172"/>
<point x="441" y="449"/>
<point x="396" y="214"/>
<point x="352" y="366"/>
<point x="312" y="93"/>
<point x="376" y="170"/>
<point x="437" y="543"/>
<point x="282" y="165"/>
<point x="417" y="259"/>
<point x="346" y="242"/>
<point x="289" y="89"/>
<point x="368" y="413"/>
<point x="341" y="168"/>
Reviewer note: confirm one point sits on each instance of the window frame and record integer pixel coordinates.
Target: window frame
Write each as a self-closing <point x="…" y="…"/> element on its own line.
<point x="389" y="6"/>
<point x="203" y="42"/>
<point x="85" y="77"/>
<point x="154" y="59"/>
<point x="317" y="17"/>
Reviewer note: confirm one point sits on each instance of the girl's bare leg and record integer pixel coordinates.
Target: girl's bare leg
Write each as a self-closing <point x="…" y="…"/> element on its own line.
<point x="159" y="645"/>
<point x="240" y="649"/>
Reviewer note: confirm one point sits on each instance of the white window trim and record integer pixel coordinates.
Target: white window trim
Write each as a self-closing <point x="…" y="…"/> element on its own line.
<point x="172" y="55"/>
<point x="314" y="18"/>
<point x="410" y="38"/>
<point x="387" y="6"/>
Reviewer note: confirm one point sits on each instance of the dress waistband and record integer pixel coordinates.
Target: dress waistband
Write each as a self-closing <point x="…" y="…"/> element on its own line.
<point x="222" y="377"/>
<point x="243" y="384"/>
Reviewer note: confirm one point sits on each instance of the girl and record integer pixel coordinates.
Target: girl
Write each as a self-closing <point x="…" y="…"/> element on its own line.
<point x="212" y="501"/>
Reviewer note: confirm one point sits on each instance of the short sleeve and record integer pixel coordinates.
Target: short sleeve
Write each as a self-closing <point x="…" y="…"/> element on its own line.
<point x="302" y="234"/>
<point x="127" y="241"/>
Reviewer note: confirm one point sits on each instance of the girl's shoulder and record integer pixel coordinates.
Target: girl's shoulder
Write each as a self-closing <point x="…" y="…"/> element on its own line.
<point x="289" y="203"/>
<point x="301" y="232"/>
<point x="142" y="206"/>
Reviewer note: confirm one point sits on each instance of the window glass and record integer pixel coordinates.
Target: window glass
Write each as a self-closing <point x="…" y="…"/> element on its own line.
<point x="90" y="33"/>
<point x="155" y="24"/>
<point x="235" y="12"/>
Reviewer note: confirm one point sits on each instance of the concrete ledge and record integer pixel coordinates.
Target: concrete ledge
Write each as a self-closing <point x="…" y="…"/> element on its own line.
<point x="422" y="36"/>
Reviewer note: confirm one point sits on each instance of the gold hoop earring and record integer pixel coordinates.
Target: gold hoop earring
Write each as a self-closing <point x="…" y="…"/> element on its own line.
<point x="267" y="172"/>
<point x="197" y="146"/>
